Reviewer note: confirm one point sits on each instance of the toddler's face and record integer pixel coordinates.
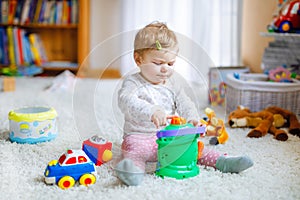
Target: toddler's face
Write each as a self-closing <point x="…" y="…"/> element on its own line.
<point x="157" y="66"/>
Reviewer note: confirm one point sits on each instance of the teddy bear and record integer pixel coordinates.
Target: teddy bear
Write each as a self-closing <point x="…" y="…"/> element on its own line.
<point x="215" y="127"/>
<point x="269" y="120"/>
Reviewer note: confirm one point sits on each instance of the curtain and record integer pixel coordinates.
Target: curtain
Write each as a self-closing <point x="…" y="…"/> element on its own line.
<point x="205" y="28"/>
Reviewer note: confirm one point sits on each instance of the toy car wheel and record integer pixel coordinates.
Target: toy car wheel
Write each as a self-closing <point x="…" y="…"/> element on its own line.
<point x="66" y="182"/>
<point x="87" y="179"/>
<point x="285" y="27"/>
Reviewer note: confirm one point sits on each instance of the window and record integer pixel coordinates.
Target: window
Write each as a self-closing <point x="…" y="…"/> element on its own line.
<point x="62" y="159"/>
<point x="285" y="9"/>
<point x="295" y="8"/>
<point x="209" y="31"/>
<point x="82" y="159"/>
<point x="71" y="160"/>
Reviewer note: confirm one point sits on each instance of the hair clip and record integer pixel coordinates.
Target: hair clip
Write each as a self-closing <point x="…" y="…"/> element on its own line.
<point x="158" y="45"/>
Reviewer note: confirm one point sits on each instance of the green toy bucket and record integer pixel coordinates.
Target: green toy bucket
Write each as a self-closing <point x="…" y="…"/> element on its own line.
<point x="177" y="156"/>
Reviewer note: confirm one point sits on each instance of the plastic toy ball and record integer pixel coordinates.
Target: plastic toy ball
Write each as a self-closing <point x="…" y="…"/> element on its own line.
<point x="72" y="166"/>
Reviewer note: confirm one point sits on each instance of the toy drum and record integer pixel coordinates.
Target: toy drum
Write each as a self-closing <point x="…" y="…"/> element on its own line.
<point x="32" y="125"/>
<point x="178" y="151"/>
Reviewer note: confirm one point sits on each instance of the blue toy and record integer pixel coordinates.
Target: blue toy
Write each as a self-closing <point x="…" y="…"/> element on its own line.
<point x="72" y="166"/>
<point x="79" y="165"/>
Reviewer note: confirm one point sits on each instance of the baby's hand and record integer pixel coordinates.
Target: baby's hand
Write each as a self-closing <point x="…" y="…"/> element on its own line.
<point x="159" y="118"/>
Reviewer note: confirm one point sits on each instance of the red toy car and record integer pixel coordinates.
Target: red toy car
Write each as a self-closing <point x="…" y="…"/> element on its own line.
<point x="288" y="19"/>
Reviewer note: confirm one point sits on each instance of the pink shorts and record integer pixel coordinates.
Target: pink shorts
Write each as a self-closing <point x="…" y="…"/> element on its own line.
<point x="140" y="149"/>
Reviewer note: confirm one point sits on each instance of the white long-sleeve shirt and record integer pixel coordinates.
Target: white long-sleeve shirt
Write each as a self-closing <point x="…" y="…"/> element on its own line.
<point x="138" y="99"/>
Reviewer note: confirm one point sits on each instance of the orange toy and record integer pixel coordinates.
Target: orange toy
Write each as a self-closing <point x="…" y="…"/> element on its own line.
<point x="215" y="127"/>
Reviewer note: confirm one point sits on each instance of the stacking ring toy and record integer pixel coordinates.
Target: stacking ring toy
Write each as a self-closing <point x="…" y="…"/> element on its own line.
<point x="178" y="149"/>
<point x="32" y="125"/>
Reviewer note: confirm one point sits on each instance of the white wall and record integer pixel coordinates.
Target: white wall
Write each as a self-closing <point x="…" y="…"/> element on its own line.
<point x="257" y="14"/>
<point x="105" y="23"/>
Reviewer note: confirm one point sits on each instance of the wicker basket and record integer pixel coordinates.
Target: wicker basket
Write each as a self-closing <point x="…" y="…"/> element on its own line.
<point x="256" y="92"/>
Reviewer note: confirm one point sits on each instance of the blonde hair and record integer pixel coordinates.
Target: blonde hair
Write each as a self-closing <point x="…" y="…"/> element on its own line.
<point x="155" y="36"/>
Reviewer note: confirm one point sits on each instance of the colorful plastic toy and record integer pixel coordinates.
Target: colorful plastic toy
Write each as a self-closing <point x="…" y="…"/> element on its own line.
<point x="32" y="125"/>
<point x="288" y="18"/>
<point x="215" y="127"/>
<point x="72" y="166"/>
<point x="79" y="165"/>
<point x="217" y="94"/>
<point x="281" y="74"/>
<point x="178" y="149"/>
<point x="98" y="149"/>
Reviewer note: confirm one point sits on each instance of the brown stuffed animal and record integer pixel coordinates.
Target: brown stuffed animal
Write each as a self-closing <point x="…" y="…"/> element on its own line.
<point x="266" y="121"/>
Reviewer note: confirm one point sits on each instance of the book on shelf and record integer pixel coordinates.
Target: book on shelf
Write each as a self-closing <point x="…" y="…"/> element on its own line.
<point x="17" y="16"/>
<point x="21" y="48"/>
<point x="11" y="44"/>
<point x="24" y="12"/>
<point x="47" y="13"/>
<point x="42" y="12"/>
<point x="74" y="11"/>
<point x="12" y="6"/>
<point x="29" y="18"/>
<point x="58" y="12"/>
<point x="16" y="46"/>
<point x="3" y="47"/>
<point x="65" y="12"/>
<point x="4" y="11"/>
<point x="39" y="11"/>
<point x="26" y="49"/>
<point x="20" y="45"/>
<point x="34" y="50"/>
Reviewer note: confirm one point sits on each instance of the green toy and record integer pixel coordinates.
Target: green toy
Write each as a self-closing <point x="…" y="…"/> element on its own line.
<point x="178" y="149"/>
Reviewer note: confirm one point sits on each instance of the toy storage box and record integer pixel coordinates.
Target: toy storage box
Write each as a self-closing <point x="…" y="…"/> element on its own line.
<point x="217" y="78"/>
<point x="256" y="92"/>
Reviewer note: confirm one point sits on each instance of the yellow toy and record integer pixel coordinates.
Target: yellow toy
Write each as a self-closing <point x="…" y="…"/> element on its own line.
<point x="215" y="127"/>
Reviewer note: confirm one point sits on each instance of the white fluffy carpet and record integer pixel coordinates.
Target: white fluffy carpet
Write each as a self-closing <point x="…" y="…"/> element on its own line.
<point x="90" y="109"/>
